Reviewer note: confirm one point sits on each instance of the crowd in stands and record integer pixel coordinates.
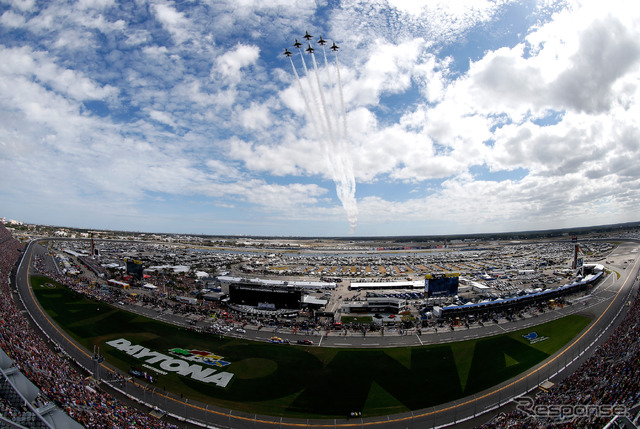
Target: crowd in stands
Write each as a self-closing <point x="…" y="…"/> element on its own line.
<point x="609" y="377"/>
<point x="58" y="380"/>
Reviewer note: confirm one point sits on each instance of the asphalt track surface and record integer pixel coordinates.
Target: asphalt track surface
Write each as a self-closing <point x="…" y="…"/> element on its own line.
<point x="606" y="306"/>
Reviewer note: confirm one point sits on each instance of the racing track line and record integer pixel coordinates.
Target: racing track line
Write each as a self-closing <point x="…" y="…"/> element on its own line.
<point x="255" y="420"/>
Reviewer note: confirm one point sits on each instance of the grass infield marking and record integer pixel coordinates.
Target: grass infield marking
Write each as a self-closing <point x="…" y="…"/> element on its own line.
<point x="296" y="381"/>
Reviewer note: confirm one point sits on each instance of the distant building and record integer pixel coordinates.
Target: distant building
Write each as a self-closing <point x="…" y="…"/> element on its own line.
<point x="374" y="305"/>
<point x="419" y="284"/>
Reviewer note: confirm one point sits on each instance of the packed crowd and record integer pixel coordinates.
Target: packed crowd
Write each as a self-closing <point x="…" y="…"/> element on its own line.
<point x="56" y="377"/>
<point x="609" y="377"/>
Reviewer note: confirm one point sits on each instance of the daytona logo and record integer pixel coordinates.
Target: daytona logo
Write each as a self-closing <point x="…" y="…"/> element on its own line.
<point x="171" y="364"/>
<point x="200" y="356"/>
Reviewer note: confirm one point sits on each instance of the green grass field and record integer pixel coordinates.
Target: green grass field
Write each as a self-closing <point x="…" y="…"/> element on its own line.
<point x="314" y="382"/>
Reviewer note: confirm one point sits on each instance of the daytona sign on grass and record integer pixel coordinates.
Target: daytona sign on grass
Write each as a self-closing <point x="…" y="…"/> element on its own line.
<point x="172" y="364"/>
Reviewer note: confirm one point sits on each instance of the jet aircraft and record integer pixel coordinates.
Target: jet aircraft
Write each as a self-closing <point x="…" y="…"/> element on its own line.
<point x="334" y="47"/>
<point x="321" y="42"/>
<point x="297" y="44"/>
<point x="287" y="53"/>
<point x="307" y="35"/>
<point x="310" y="49"/>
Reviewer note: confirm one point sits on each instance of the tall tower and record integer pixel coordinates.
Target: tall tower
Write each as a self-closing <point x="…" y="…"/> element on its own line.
<point x="93" y="246"/>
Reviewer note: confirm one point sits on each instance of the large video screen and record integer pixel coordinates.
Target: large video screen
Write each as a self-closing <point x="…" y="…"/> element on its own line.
<point x="134" y="268"/>
<point x="256" y="295"/>
<point x="443" y="285"/>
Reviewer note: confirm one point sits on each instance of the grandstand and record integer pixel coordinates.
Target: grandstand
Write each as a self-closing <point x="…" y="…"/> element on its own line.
<point x="609" y="377"/>
<point x="518" y="302"/>
<point x="21" y="404"/>
<point x="39" y="388"/>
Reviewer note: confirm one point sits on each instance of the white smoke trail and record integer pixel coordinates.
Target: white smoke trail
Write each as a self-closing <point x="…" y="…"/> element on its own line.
<point x="324" y="119"/>
<point x="326" y="116"/>
<point x="334" y="105"/>
<point x="336" y="157"/>
<point x="311" y="116"/>
<point x="313" y="113"/>
<point x="351" y="206"/>
<point x="342" y="151"/>
<point x="316" y="104"/>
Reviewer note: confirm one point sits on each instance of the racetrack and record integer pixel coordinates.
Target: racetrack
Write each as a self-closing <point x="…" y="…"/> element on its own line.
<point x="610" y="297"/>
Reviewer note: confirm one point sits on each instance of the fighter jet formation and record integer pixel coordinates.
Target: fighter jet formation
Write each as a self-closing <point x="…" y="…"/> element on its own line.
<point x="327" y="116"/>
<point x="310" y="50"/>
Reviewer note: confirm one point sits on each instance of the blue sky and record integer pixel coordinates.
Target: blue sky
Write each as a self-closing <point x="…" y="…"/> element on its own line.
<point x="449" y="117"/>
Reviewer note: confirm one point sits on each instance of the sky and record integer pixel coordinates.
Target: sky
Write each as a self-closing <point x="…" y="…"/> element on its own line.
<point x="433" y="117"/>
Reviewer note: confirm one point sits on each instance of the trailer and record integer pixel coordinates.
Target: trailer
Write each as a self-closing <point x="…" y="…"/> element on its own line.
<point x="187" y="300"/>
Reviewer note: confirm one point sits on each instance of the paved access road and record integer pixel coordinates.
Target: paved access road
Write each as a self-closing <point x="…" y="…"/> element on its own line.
<point x="606" y="305"/>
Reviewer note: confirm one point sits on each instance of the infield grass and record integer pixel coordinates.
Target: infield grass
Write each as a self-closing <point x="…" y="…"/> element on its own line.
<point x="312" y="382"/>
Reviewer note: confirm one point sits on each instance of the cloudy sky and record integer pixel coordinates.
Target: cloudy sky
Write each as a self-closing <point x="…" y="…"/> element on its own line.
<point x="434" y="117"/>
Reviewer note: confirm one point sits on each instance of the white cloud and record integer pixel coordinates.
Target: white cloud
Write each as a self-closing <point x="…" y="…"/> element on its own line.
<point x="23" y="5"/>
<point x="137" y="37"/>
<point x="230" y="64"/>
<point x="173" y="21"/>
<point x="162" y="117"/>
<point x="278" y="198"/>
<point x="388" y="69"/>
<point x="541" y="128"/>
<point x="196" y="92"/>
<point x="465" y="205"/>
<point x="292" y="157"/>
<point x="23" y="62"/>
<point x="223" y="170"/>
<point x="256" y="117"/>
<point x="11" y="19"/>
<point x="95" y="4"/>
<point x="576" y="70"/>
<point x="608" y="51"/>
<point x="399" y="20"/>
